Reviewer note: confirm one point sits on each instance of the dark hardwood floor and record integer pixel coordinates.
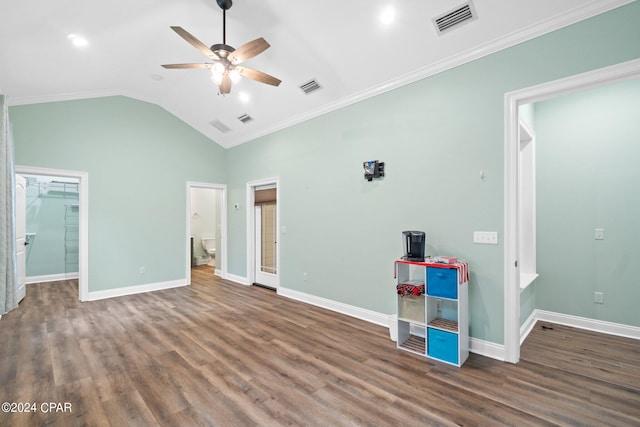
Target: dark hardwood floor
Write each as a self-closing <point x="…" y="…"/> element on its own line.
<point x="218" y="353"/>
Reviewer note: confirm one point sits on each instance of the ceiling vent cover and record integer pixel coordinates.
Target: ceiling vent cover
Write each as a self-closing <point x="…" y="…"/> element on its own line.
<point x="310" y="86"/>
<point x="245" y="118"/>
<point x="454" y="18"/>
<point x="220" y="126"/>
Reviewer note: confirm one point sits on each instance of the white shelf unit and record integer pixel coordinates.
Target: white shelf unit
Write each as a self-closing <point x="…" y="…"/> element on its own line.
<point x="71" y="238"/>
<point x="435" y="324"/>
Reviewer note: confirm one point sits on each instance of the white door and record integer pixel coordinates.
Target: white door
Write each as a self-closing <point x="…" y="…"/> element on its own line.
<point x="266" y="272"/>
<point x="21" y="225"/>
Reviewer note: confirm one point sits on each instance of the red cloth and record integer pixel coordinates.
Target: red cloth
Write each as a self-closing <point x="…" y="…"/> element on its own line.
<point x="405" y="289"/>
<point x="461" y="266"/>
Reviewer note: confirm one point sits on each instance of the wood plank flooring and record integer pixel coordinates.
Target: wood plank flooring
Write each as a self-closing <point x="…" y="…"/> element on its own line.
<point x="218" y="353"/>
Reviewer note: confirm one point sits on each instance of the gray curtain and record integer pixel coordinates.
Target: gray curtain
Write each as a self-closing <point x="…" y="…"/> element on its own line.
<point x="8" y="266"/>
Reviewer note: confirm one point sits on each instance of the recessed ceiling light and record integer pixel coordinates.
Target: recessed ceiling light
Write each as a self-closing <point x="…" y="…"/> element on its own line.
<point x="78" y="40"/>
<point x="388" y="15"/>
<point x="244" y="97"/>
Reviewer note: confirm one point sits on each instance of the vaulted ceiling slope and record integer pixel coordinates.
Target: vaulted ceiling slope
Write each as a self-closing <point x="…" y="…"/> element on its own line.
<point x="343" y="47"/>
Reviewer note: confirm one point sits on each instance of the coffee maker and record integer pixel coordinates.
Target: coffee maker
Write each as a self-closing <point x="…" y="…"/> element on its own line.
<point x="414" y="243"/>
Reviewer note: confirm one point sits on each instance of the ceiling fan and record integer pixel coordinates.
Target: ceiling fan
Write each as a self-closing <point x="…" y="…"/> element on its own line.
<point x="225" y="67"/>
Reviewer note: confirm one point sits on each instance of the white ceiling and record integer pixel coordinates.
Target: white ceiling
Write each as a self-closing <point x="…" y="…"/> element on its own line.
<point x="341" y="44"/>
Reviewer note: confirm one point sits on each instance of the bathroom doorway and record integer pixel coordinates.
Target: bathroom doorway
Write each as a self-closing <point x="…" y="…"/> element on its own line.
<point x="206" y="225"/>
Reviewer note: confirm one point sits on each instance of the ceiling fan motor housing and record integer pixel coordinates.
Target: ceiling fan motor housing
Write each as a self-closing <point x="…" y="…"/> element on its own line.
<point x="225" y="4"/>
<point x="222" y="50"/>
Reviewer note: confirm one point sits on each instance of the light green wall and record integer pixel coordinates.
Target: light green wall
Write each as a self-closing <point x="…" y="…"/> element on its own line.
<point x="587" y="174"/>
<point x="139" y="159"/>
<point x="435" y="136"/>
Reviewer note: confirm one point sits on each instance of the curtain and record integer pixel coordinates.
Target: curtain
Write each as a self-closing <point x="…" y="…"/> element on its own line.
<point x="8" y="266"/>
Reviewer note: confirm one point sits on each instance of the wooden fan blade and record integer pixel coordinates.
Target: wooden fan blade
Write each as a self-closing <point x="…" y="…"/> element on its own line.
<point x="248" y="50"/>
<point x="225" y="85"/>
<point x="195" y="42"/>
<point x="187" y="65"/>
<point x="258" y="76"/>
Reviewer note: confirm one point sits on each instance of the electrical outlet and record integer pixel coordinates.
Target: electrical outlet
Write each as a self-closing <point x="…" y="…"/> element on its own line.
<point x="598" y="297"/>
<point x="142" y="270"/>
<point x="485" y="237"/>
<point x="305" y="276"/>
<point x="599" y="234"/>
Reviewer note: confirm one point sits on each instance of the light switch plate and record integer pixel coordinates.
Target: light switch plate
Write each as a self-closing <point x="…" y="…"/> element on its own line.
<point x="485" y="237"/>
<point x="599" y="234"/>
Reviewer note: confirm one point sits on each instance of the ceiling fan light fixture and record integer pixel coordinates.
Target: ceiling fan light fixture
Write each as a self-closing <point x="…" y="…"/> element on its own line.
<point x="217" y="78"/>
<point x="217" y="68"/>
<point x="225" y="59"/>
<point x="234" y="75"/>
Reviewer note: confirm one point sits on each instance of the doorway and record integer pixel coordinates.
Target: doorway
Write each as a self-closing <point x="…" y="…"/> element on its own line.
<point x="206" y="228"/>
<point x="73" y="242"/>
<point x="512" y="230"/>
<point x="263" y="219"/>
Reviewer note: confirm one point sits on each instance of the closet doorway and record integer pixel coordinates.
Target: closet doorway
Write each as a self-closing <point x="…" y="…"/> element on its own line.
<point x="512" y="179"/>
<point x="56" y="219"/>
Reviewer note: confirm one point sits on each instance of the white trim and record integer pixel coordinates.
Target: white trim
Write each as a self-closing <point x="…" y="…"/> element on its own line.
<point x="250" y="218"/>
<point x="69" y="96"/>
<point x="481" y="347"/>
<point x="51" y="278"/>
<point x="238" y="279"/>
<point x="136" y="289"/>
<point x="223" y="228"/>
<point x="83" y="221"/>
<point x="349" y="310"/>
<point x="608" y="75"/>
<point x="594" y="325"/>
<point x="527" y="326"/>
<point x="486" y="348"/>
<point x="511" y="227"/>
<point x="590" y="10"/>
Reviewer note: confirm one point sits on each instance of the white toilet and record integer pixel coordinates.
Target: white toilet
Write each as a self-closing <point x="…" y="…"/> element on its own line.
<point x="209" y="246"/>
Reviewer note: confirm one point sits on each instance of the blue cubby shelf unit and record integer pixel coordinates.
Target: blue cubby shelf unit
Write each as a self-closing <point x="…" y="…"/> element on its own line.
<point x="441" y="330"/>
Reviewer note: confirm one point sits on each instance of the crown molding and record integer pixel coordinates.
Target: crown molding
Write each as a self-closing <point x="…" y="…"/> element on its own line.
<point x="576" y="15"/>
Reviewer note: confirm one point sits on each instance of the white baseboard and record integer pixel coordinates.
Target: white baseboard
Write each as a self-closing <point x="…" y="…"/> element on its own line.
<point x="481" y="347"/>
<point x="51" y="278"/>
<point x="527" y="326"/>
<point x="486" y="348"/>
<point x="349" y="310"/>
<point x="238" y="279"/>
<point x="137" y="289"/>
<point x="588" y="324"/>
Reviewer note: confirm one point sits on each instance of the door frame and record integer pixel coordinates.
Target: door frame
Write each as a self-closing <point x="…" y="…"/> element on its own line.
<point x="83" y="221"/>
<point x="251" y="247"/>
<point x="223" y="227"/>
<point x="628" y="70"/>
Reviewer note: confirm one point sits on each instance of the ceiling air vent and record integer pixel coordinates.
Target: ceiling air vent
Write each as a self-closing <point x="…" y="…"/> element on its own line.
<point x="245" y="118"/>
<point x="220" y="126"/>
<point x="310" y="86"/>
<point x="456" y="17"/>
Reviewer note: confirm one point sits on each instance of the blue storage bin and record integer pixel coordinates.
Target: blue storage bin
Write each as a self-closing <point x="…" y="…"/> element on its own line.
<point x="442" y="345"/>
<point x="442" y="282"/>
